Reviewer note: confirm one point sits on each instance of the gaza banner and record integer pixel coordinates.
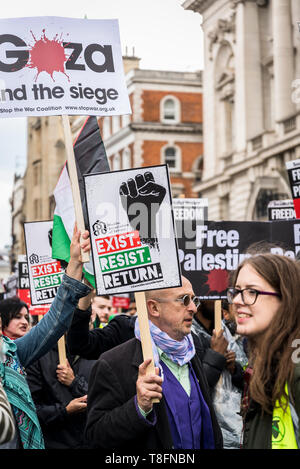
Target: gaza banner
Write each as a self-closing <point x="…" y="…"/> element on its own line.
<point x="54" y="66"/>
<point x="45" y="273"/>
<point x="132" y="230"/>
<point x="221" y="246"/>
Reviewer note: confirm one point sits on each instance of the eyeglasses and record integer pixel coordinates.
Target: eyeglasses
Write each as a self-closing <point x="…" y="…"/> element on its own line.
<point x="185" y="300"/>
<point x="249" y="295"/>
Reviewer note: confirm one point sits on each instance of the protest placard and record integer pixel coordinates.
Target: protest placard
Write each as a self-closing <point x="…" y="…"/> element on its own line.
<point x="23" y="288"/>
<point x="281" y="210"/>
<point x="190" y="209"/>
<point x="45" y="273"/>
<point x="221" y="246"/>
<point x="54" y="66"/>
<point x="132" y="230"/>
<point x="293" y="170"/>
<point x="132" y="237"/>
<point x="121" y="301"/>
<point x="23" y="277"/>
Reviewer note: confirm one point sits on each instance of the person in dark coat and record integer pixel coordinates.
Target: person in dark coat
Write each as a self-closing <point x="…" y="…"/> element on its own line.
<point x="121" y="413"/>
<point x="90" y="344"/>
<point x="214" y="354"/>
<point x="60" y="396"/>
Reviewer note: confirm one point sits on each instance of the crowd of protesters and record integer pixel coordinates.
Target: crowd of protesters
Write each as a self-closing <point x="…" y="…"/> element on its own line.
<point x="234" y="388"/>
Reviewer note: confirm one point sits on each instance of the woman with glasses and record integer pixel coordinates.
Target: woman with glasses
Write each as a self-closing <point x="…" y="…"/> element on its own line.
<point x="266" y="302"/>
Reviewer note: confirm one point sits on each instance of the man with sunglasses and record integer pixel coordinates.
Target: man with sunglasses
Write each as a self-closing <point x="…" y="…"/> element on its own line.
<point x="121" y="412"/>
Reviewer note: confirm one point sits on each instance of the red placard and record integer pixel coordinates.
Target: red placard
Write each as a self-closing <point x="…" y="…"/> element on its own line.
<point x="120" y="302"/>
<point x="24" y="295"/>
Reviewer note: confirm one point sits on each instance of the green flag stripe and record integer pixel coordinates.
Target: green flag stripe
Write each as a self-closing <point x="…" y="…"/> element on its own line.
<point x="61" y="246"/>
<point x="61" y="241"/>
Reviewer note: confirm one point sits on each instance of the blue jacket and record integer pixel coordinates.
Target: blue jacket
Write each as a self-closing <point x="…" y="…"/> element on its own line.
<point x="42" y="337"/>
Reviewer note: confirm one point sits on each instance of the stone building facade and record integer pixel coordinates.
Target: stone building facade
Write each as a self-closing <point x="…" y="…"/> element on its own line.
<point x="165" y="126"/>
<point x="250" y="103"/>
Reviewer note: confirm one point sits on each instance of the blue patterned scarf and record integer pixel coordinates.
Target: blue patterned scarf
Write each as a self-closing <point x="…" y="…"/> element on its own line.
<point x="179" y="352"/>
<point x="18" y="394"/>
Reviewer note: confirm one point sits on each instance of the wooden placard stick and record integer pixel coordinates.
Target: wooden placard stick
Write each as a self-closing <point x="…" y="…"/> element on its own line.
<point x="40" y="317"/>
<point x="62" y="351"/>
<point x="141" y="306"/>
<point x="218" y="325"/>
<point x="72" y="170"/>
<point x="218" y="315"/>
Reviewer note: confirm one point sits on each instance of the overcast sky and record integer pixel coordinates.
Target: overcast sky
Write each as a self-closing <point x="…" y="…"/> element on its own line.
<point x="162" y="33"/>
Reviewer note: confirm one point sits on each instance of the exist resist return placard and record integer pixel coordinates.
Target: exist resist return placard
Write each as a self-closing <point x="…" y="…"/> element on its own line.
<point x="45" y="273"/>
<point x="132" y="230"/>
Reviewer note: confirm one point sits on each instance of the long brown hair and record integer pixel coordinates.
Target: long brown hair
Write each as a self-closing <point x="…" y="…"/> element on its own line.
<point x="272" y="358"/>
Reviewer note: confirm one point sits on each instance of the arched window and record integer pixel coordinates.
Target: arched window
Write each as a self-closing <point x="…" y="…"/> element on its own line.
<point x="171" y="156"/>
<point x="116" y="162"/>
<point x="126" y="159"/>
<point x="225" y="100"/>
<point x="264" y="197"/>
<point x="170" y="110"/>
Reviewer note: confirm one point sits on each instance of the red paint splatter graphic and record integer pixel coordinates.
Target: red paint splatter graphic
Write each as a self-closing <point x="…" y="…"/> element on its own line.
<point x="217" y="280"/>
<point x="47" y="55"/>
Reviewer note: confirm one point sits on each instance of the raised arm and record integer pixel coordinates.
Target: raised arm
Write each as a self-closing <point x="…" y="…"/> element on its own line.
<point x="41" y="338"/>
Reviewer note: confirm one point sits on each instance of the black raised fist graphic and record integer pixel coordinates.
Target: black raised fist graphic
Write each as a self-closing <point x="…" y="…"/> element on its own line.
<point x="141" y="197"/>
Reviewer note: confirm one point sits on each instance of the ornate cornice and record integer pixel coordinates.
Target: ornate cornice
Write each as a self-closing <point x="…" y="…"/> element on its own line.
<point x="198" y="6"/>
<point x="259" y="3"/>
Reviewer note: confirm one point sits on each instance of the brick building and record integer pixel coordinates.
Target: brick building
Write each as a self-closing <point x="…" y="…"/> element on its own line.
<point x="165" y="125"/>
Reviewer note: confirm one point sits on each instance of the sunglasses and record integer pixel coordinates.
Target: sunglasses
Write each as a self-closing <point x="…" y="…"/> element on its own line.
<point x="185" y="300"/>
<point x="249" y="295"/>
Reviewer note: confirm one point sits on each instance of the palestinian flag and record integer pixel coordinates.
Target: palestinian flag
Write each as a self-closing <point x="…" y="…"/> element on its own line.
<point x="90" y="157"/>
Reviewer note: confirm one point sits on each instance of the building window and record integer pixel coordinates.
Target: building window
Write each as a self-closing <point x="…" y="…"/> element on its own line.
<point x="52" y="205"/>
<point x="172" y="157"/>
<point x="36" y="173"/>
<point x="170" y="110"/>
<point x="126" y="159"/>
<point x="36" y="209"/>
<point x="225" y="100"/>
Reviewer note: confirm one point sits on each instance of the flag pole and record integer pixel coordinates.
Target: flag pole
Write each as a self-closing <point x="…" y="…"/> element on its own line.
<point x="218" y="315"/>
<point x="74" y="181"/>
